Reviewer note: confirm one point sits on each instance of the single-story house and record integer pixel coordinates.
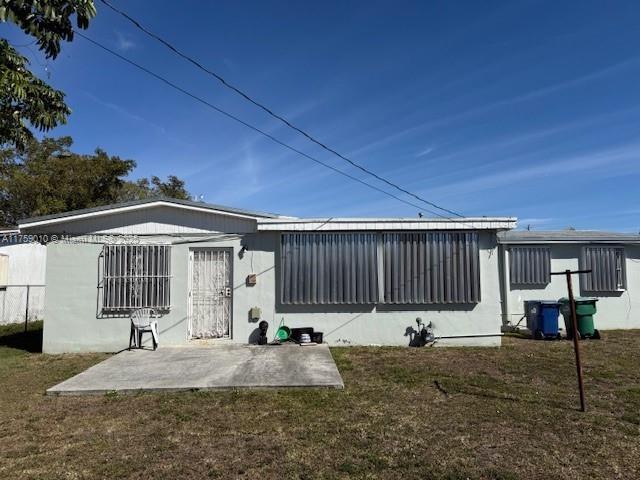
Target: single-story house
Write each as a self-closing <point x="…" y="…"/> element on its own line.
<point x="528" y="258"/>
<point x="213" y="272"/>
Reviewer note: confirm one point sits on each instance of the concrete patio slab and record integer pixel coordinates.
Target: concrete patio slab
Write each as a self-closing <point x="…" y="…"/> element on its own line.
<point x="207" y="368"/>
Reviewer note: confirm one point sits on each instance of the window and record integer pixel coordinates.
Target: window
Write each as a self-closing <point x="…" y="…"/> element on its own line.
<point x="136" y="276"/>
<point x="434" y="267"/>
<point x="328" y="268"/>
<point x="530" y="266"/>
<point x="607" y="265"/>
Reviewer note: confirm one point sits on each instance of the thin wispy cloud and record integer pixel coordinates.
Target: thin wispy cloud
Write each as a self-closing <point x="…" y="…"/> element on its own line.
<point x="124" y="42"/>
<point x="126" y="113"/>
<point x="425" y="152"/>
<point x="532" y="143"/>
<point x="537" y="94"/>
<point x="611" y="162"/>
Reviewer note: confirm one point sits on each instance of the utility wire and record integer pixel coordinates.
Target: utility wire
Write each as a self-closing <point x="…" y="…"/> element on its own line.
<point x="260" y="105"/>
<point x="248" y="125"/>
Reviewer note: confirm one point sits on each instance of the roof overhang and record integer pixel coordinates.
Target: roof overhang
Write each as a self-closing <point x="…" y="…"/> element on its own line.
<point x="568" y="237"/>
<point x="377" y="224"/>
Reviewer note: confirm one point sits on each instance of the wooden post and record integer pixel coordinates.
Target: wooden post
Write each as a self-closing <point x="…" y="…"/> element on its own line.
<point x="576" y="334"/>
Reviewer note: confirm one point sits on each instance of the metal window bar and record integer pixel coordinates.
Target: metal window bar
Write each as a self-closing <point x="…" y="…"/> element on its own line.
<point x="530" y="265"/>
<point x="136" y="276"/>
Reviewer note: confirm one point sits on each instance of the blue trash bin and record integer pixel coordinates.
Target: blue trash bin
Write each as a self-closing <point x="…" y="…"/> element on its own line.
<point x="548" y="320"/>
<point x="532" y="312"/>
<point x="542" y="318"/>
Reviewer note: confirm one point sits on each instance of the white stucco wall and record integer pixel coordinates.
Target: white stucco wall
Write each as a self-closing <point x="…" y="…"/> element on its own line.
<point x="74" y="321"/>
<point x="27" y="263"/>
<point x="615" y="310"/>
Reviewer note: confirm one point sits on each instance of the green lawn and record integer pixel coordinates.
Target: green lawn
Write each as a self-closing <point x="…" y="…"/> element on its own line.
<point x="405" y="413"/>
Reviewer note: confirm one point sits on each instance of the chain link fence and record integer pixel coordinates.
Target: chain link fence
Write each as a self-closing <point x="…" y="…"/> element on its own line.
<point x="21" y="303"/>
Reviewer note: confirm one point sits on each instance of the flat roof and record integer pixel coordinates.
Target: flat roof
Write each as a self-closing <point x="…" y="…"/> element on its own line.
<point x="566" y="236"/>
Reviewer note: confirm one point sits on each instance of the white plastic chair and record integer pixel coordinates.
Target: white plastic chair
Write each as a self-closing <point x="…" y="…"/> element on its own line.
<point x="142" y="320"/>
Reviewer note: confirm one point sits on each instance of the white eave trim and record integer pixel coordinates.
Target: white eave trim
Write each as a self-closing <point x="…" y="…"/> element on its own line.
<point x="350" y="224"/>
<point x="590" y="241"/>
<point x="116" y="210"/>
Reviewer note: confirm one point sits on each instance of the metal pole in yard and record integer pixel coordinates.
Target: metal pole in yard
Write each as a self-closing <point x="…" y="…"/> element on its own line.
<point x="26" y="310"/>
<point x="576" y="334"/>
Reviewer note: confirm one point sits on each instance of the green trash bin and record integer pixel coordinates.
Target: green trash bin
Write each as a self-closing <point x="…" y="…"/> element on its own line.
<point x="585" y="310"/>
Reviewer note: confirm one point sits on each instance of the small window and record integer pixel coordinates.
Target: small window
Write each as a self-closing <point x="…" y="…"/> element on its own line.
<point x="608" y="272"/>
<point x="530" y="266"/>
<point x="136" y="276"/>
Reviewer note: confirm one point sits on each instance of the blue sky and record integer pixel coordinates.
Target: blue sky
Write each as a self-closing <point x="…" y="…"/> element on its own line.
<point x="530" y="109"/>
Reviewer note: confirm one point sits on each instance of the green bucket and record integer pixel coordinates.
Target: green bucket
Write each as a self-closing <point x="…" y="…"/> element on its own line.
<point x="283" y="333"/>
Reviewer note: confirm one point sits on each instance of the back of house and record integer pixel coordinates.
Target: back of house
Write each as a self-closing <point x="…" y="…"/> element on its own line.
<point x="214" y="272"/>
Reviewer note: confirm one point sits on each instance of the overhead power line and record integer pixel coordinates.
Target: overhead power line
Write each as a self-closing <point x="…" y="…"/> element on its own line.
<point x="268" y="110"/>
<point x="248" y="125"/>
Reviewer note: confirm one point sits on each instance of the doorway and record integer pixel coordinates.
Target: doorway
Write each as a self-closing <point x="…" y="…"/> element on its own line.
<point x="210" y="293"/>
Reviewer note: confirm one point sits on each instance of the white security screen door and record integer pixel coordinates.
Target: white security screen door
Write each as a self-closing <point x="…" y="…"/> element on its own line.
<point x="210" y="296"/>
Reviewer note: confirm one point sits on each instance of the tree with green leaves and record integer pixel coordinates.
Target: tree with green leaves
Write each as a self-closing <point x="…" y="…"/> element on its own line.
<point x="47" y="177"/>
<point x="25" y="99"/>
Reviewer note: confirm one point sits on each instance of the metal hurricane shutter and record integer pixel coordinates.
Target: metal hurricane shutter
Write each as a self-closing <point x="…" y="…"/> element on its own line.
<point x="530" y="265"/>
<point x="434" y="267"/>
<point x="334" y="268"/>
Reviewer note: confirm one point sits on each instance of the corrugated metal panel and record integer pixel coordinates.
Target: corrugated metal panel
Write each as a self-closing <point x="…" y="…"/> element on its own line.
<point x="328" y="268"/>
<point x="439" y="267"/>
<point x="607" y="265"/>
<point x="530" y="265"/>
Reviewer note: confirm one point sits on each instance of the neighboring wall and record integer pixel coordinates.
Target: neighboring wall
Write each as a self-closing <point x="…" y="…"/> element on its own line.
<point x="615" y="310"/>
<point x="74" y="321"/>
<point x="26" y="262"/>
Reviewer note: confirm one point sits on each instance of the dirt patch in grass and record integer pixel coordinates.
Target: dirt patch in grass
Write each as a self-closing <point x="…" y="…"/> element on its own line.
<point x="405" y="413"/>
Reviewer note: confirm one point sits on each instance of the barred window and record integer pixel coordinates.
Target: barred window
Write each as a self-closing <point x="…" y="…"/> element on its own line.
<point x="136" y="276"/>
<point x="431" y="268"/>
<point x="607" y="265"/>
<point x="328" y="268"/>
<point x="530" y="265"/>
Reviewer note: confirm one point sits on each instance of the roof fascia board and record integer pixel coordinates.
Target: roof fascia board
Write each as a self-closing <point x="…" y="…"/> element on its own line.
<point x="603" y="241"/>
<point x="334" y="224"/>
